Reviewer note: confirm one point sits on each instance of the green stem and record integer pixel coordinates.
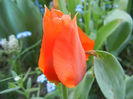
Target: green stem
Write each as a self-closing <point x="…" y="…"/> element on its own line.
<point x="64" y="92"/>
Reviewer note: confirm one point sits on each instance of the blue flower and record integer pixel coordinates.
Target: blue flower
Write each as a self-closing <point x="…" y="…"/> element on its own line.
<point x="23" y="34"/>
<point x="79" y="8"/>
<point x="108" y="6"/>
<point x="116" y="5"/>
<point x="41" y="78"/>
<point x="80" y="20"/>
<point x="50" y="87"/>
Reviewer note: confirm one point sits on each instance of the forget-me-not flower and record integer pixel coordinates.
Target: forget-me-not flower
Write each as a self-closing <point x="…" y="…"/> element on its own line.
<point x="80" y="20"/>
<point x="108" y="6"/>
<point x="79" y="8"/>
<point x="50" y="87"/>
<point x="23" y="34"/>
<point x="41" y="78"/>
<point x="116" y="5"/>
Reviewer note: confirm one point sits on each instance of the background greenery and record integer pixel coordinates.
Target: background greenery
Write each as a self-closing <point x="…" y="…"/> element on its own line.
<point x="108" y="22"/>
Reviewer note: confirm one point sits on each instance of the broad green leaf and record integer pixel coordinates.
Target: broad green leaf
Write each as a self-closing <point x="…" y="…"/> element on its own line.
<point x="3" y="28"/>
<point x="32" y="18"/>
<point x="9" y="90"/>
<point x="106" y="31"/>
<point x="109" y="75"/>
<point x="129" y="88"/>
<point x="120" y="37"/>
<point x="33" y="23"/>
<point x="82" y="90"/>
<point x="12" y="17"/>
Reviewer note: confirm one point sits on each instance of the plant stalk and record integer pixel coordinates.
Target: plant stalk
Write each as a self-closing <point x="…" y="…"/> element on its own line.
<point x="64" y="92"/>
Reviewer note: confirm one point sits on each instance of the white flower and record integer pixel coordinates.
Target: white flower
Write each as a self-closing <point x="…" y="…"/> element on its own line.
<point x="17" y="78"/>
<point x="50" y="87"/>
<point x="4" y="43"/>
<point x="41" y="78"/>
<point x="23" y="34"/>
<point x="13" y="44"/>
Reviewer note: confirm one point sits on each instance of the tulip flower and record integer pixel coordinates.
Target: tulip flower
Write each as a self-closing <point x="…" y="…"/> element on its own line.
<point x="62" y="56"/>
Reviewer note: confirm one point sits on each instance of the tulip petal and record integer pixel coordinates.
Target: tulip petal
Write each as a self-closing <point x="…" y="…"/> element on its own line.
<point x="56" y="13"/>
<point x="41" y="62"/>
<point x="87" y="43"/>
<point x="68" y="54"/>
<point x="51" y="27"/>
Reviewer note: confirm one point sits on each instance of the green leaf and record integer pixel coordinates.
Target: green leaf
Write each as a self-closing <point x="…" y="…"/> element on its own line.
<point x="11" y="85"/>
<point x="71" y="5"/>
<point x="109" y="75"/>
<point x="9" y="90"/>
<point x="51" y="95"/>
<point x="26" y="75"/>
<point x="123" y="4"/>
<point x="37" y="98"/>
<point x="120" y="37"/>
<point x="31" y="90"/>
<point x="12" y="17"/>
<point x="129" y="88"/>
<point x="14" y="74"/>
<point x="29" y="83"/>
<point x="62" y="6"/>
<point x="106" y="31"/>
<point x="82" y="90"/>
<point x="32" y="19"/>
<point x="33" y="23"/>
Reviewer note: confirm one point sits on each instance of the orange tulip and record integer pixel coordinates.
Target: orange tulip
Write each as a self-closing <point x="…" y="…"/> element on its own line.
<point x="62" y="56"/>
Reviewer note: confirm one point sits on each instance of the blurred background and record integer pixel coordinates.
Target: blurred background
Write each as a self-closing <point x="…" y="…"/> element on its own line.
<point x="21" y="34"/>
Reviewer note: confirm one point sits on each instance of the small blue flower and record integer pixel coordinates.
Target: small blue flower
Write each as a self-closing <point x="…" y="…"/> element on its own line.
<point x="116" y="5"/>
<point x="79" y="8"/>
<point x="80" y="20"/>
<point x="50" y="87"/>
<point x="41" y="78"/>
<point x="23" y="34"/>
<point x="108" y="6"/>
<point x="82" y="0"/>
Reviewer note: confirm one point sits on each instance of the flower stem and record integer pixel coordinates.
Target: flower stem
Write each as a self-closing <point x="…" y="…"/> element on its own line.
<point x="64" y="92"/>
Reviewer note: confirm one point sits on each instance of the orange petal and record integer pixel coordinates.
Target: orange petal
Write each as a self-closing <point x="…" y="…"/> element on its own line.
<point x="51" y="27"/>
<point x="87" y="43"/>
<point x="56" y="13"/>
<point x="68" y="54"/>
<point x="47" y="12"/>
